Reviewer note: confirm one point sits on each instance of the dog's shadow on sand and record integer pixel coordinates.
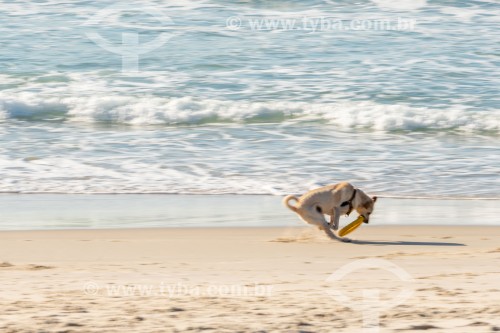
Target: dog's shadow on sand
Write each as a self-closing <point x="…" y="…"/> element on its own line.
<point x="360" y="242"/>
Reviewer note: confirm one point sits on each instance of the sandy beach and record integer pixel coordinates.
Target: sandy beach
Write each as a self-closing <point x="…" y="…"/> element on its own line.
<point x="284" y="279"/>
<point x="146" y="149"/>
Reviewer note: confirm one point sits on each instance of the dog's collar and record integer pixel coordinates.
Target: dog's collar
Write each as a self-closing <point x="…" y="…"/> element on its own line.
<point x="349" y="202"/>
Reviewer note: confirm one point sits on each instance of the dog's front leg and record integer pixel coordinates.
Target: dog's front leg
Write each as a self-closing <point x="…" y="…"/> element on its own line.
<point x="332" y="235"/>
<point x="335" y="219"/>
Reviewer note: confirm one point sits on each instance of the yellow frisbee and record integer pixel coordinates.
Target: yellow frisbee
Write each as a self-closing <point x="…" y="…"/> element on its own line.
<point x="351" y="226"/>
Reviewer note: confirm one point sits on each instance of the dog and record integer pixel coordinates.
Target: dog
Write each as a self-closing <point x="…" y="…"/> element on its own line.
<point x="333" y="200"/>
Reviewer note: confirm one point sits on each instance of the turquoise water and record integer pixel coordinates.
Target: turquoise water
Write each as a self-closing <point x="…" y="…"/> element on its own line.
<point x="250" y="97"/>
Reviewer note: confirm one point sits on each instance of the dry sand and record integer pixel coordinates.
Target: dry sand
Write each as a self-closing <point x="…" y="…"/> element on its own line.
<point x="248" y="280"/>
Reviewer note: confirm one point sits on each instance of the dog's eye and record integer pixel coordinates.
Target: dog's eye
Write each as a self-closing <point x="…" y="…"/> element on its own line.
<point x="319" y="210"/>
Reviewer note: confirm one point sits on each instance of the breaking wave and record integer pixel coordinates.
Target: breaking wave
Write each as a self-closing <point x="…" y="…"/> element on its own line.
<point x="151" y="110"/>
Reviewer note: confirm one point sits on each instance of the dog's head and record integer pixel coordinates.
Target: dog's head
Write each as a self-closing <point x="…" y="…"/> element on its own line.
<point x="365" y="208"/>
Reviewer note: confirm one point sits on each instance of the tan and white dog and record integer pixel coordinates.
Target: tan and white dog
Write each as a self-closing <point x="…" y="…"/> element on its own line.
<point x="333" y="200"/>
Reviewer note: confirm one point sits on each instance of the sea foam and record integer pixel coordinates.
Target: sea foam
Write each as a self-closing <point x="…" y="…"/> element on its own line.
<point x="150" y="110"/>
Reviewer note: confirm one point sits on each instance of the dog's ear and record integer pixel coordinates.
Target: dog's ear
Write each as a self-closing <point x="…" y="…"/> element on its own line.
<point x="374" y="198"/>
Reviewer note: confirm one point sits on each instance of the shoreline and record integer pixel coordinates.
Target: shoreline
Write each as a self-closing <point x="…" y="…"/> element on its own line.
<point x="50" y="212"/>
<point x="303" y="227"/>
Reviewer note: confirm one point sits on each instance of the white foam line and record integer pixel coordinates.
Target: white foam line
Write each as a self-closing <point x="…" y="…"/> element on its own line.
<point x="435" y="197"/>
<point x="230" y="194"/>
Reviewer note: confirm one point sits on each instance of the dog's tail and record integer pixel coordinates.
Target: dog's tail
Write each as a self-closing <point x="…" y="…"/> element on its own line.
<point x="286" y="202"/>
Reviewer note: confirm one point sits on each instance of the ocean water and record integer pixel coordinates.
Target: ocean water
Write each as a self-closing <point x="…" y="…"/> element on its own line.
<point x="250" y="97"/>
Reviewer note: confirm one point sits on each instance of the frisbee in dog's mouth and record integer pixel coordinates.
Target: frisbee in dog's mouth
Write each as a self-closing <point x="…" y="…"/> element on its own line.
<point x="351" y="226"/>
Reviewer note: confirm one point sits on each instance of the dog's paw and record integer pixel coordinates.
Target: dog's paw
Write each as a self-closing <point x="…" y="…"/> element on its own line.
<point x="333" y="227"/>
